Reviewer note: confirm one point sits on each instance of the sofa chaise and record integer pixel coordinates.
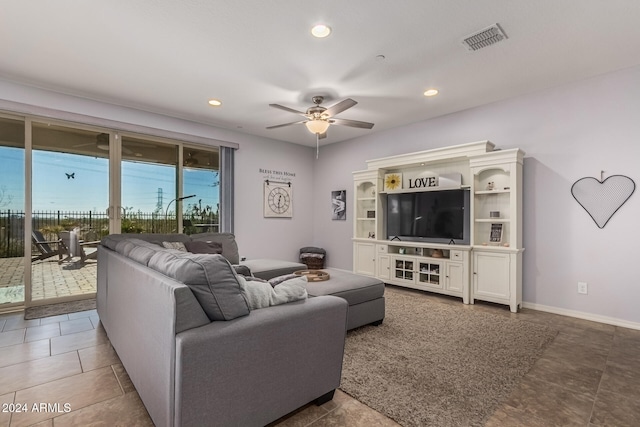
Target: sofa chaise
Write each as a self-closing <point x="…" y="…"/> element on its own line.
<point x="244" y="367"/>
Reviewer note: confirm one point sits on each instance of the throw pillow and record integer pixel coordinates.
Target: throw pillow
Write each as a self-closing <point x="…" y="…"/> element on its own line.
<point x="243" y="269"/>
<point x="261" y="294"/>
<point x="175" y="245"/>
<point x="228" y="241"/>
<point x="277" y="280"/>
<point x="201" y="247"/>
<point x="210" y="277"/>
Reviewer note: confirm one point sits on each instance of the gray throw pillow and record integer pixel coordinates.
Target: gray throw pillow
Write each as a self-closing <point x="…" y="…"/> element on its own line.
<point x="228" y="241"/>
<point x="243" y="269"/>
<point x="202" y="247"/>
<point x="210" y="277"/>
<point x="277" y="280"/>
<point x="175" y="245"/>
<point x="142" y="254"/>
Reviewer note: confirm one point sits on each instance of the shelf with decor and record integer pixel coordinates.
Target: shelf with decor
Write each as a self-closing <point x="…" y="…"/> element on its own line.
<point x="365" y="204"/>
<point x="497" y="237"/>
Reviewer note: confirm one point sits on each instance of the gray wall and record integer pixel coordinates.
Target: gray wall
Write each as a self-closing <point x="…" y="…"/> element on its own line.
<point x="279" y="238"/>
<point x="567" y="133"/>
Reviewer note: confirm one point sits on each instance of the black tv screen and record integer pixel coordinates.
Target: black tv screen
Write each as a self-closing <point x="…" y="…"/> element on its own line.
<point x="431" y="216"/>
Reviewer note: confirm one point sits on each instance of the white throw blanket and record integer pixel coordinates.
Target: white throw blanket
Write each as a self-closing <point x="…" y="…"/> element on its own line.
<point x="262" y="294"/>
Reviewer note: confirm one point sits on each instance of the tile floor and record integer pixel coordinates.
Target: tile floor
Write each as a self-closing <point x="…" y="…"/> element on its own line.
<point x="589" y="376"/>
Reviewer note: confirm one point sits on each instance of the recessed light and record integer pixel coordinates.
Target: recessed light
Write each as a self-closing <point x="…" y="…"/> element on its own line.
<point x="431" y="92"/>
<point x="321" y="31"/>
<point x="215" y="102"/>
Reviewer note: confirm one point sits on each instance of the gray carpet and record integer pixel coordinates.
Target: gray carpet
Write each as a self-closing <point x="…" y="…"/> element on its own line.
<point x="60" y="308"/>
<point x="439" y="363"/>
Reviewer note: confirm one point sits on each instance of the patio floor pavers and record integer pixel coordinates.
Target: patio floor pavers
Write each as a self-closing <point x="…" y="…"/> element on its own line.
<point x="49" y="279"/>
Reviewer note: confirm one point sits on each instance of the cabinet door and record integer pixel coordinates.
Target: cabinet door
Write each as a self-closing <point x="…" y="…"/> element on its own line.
<point x="364" y="258"/>
<point x="491" y="275"/>
<point x="430" y="274"/>
<point x="455" y="276"/>
<point x="403" y="269"/>
<point x="383" y="267"/>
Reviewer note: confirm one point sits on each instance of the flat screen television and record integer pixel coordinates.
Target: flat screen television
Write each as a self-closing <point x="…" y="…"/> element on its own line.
<point x="431" y="216"/>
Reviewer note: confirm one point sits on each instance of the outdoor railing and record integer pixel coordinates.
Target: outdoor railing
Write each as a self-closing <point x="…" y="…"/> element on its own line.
<point x="92" y="225"/>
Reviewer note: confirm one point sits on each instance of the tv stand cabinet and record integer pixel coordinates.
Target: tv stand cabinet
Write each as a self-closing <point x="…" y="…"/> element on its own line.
<point x="429" y="267"/>
<point x="490" y="267"/>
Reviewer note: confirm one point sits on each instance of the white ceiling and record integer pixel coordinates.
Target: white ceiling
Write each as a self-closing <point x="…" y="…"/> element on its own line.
<point x="170" y="57"/>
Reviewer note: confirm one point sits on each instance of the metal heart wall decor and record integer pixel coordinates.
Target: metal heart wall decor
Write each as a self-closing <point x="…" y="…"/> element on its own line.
<point x="602" y="199"/>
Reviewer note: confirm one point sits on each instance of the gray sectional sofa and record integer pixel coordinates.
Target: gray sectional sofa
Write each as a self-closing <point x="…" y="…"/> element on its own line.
<point x="197" y="355"/>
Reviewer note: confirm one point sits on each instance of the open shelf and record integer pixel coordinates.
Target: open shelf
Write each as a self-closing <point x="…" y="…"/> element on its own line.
<point x="484" y="192"/>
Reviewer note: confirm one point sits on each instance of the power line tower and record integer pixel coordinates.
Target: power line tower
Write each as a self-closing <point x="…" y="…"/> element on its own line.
<point x="159" y="203"/>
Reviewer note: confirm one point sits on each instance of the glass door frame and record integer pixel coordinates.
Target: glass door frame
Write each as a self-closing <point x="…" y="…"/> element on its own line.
<point x="115" y="186"/>
<point x="113" y="169"/>
<point x="26" y="255"/>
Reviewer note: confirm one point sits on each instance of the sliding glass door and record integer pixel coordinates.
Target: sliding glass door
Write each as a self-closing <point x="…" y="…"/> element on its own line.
<point x="201" y="189"/>
<point x="64" y="186"/>
<point x="149" y="185"/>
<point x="12" y="212"/>
<point x="69" y="200"/>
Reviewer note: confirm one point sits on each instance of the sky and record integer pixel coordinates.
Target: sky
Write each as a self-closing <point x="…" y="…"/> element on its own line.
<point x="71" y="182"/>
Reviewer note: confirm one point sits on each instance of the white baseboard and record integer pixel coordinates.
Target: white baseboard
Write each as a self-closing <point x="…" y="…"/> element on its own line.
<point x="583" y="315"/>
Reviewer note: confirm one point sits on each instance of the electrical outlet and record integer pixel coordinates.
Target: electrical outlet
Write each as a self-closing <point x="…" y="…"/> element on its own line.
<point x="582" y="288"/>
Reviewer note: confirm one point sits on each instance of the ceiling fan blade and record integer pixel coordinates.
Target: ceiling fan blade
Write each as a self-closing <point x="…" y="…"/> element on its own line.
<point x="352" y="123"/>
<point x="286" y="124"/>
<point x="291" y="110"/>
<point x="340" y="107"/>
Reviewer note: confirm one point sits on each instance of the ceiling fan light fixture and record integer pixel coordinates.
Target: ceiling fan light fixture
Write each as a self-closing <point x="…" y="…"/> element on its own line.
<point x="102" y="141"/>
<point x="317" y="126"/>
<point x="321" y="31"/>
<point x="215" y="102"/>
<point x="190" y="161"/>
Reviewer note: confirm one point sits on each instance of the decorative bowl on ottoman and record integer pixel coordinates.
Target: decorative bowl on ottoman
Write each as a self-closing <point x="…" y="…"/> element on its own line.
<point x="313" y="275"/>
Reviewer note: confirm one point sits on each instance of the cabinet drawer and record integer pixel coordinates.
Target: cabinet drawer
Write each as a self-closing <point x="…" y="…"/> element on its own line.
<point x="382" y="249"/>
<point x="456" y="255"/>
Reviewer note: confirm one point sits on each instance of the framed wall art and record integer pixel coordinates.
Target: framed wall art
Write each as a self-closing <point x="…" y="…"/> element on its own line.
<point x="278" y="199"/>
<point x="496" y="233"/>
<point x="339" y="205"/>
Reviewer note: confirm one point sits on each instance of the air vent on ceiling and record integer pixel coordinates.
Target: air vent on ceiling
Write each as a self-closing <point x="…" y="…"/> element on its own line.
<point x="485" y="37"/>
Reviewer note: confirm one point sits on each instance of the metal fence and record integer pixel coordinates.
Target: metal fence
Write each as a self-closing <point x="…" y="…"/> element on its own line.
<point x="92" y="226"/>
<point x="11" y="234"/>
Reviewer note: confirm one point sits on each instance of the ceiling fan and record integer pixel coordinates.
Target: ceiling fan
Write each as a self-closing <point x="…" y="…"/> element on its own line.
<point x="190" y="161"/>
<point x="102" y="143"/>
<point x="319" y="118"/>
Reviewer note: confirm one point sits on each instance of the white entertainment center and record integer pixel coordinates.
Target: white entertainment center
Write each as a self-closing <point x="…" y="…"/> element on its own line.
<point x="487" y="265"/>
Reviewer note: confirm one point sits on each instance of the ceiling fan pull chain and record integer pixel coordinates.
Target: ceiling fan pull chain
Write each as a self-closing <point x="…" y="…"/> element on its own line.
<point x="317" y="145"/>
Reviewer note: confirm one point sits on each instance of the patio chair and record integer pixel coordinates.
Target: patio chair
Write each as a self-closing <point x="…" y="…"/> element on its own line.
<point x="47" y="248"/>
<point x="72" y="247"/>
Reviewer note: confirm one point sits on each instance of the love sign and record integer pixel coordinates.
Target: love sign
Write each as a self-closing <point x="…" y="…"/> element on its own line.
<point x="602" y="199"/>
